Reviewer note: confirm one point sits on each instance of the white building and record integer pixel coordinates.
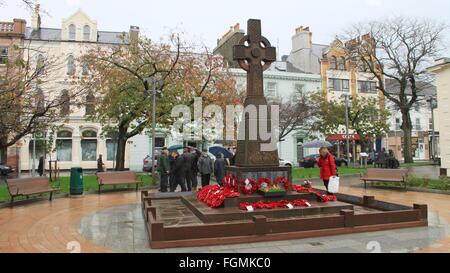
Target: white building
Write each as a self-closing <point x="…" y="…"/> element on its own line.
<point x="78" y="142"/>
<point x="442" y="71"/>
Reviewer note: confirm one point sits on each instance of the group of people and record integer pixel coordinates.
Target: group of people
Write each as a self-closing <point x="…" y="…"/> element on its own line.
<point x="386" y="160"/>
<point x="183" y="170"/>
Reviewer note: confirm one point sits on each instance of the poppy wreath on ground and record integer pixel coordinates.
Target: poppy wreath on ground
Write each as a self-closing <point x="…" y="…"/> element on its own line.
<point x="214" y="196"/>
<point x="320" y="197"/>
<point x="248" y="186"/>
<point x="273" y="205"/>
<point x="263" y="181"/>
<point x="282" y="180"/>
<point x="230" y="182"/>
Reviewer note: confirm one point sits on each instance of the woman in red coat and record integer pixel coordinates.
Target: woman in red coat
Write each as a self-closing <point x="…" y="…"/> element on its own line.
<point x="327" y="166"/>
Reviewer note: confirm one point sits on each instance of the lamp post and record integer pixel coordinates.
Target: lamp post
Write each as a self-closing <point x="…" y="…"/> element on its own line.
<point x="347" y="136"/>
<point x="433" y="134"/>
<point x="155" y="83"/>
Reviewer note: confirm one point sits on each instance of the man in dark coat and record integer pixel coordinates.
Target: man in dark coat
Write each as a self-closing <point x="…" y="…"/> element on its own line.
<point x="219" y="169"/>
<point x="205" y="167"/>
<point x="164" y="169"/>
<point x="188" y="160"/>
<point x="177" y="171"/>
<point x="41" y="166"/>
<point x="100" y="165"/>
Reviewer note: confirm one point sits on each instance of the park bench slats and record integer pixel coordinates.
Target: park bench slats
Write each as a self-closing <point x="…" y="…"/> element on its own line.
<point x="117" y="178"/>
<point x="385" y="175"/>
<point x="29" y="186"/>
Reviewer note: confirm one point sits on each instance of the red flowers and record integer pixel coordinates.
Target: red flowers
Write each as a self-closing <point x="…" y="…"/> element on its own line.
<point x="214" y="196"/>
<point x="320" y="197"/>
<point x="248" y="186"/>
<point x="264" y="183"/>
<point x="273" y="205"/>
<point x="282" y="180"/>
<point x="230" y="182"/>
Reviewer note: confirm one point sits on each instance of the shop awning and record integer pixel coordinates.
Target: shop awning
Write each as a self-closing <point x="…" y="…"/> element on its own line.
<point x="343" y="137"/>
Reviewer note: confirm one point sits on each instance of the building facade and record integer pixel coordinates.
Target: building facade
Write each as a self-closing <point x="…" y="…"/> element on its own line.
<point x="442" y="71"/>
<point x="78" y="142"/>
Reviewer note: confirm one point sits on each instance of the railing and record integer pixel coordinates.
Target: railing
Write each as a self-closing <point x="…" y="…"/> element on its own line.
<point x="6" y="27"/>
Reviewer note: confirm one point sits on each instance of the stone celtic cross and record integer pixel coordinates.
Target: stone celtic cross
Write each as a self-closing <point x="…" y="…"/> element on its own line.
<point x="255" y="55"/>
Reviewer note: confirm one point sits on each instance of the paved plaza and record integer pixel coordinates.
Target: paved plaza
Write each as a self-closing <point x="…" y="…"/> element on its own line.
<point x="113" y="222"/>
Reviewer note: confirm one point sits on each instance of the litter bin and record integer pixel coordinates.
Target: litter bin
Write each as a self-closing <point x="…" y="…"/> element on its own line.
<point x="76" y="181"/>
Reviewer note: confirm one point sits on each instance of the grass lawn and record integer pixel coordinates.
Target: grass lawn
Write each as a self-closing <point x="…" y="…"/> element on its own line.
<point x="417" y="164"/>
<point x="301" y="173"/>
<point x="442" y="184"/>
<point x="90" y="183"/>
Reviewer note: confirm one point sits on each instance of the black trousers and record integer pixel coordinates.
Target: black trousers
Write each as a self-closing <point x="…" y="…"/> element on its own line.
<point x="188" y="179"/>
<point x="178" y="180"/>
<point x="326" y="182"/>
<point x="164" y="182"/>
<point x="206" y="179"/>
<point x="194" y="180"/>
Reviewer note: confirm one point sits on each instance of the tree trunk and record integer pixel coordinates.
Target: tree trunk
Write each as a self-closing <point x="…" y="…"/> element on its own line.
<point x="121" y="147"/>
<point x="3" y="150"/>
<point x="407" y="136"/>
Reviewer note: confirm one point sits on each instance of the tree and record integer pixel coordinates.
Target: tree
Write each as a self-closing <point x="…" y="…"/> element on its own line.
<point x="27" y="105"/>
<point x="121" y="76"/>
<point x="404" y="48"/>
<point x="366" y="118"/>
<point x="296" y="113"/>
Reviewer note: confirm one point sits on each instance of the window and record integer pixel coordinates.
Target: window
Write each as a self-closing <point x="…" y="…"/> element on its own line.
<point x="367" y="87"/>
<point x="89" y="146"/>
<point x="345" y="85"/>
<point x="111" y="148"/>
<point x="339" y="85"/>
<point x="160" y="142"/>
<point x="64" y="146"/>
<point x="85" y="69"/>
<point x="341" y="63"/>
<point x="333" y="63"/>
<point x="90" y="103"/>
<point x="4" y="55"/>
<point x="271" y="90"/>
<point x="40" y="100"/>
<point x="70" y="65"/>
<point x="362" y="66"/>
<point x="418" y="125"/>
<point x="65" y="103"/>
<point x="72" y="32"/>
<point x="87" y="33"/>
<point x="40" y="62"/>
<point x="397" y="124"/>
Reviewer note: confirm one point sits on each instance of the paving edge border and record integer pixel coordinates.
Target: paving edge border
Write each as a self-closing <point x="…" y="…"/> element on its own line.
<point x="413" y="189"/>
<point x="37" y="200"/>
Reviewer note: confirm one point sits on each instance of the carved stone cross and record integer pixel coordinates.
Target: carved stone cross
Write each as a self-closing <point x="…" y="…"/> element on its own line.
<point x="255" y="55"/>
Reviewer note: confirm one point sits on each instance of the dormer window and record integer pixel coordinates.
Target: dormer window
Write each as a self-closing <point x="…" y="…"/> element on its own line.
<point x="72" y="32"/>
<point x="86" y="33"/>
<point x="333" y="63"/>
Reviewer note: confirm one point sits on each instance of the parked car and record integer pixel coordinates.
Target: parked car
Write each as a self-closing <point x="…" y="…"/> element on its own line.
<point x="285" y="163"/>
<point x="309" y="161"/>
<point x="341" y="161"/>
<point x="5" y="170"/>
<point x="148" y="163"/>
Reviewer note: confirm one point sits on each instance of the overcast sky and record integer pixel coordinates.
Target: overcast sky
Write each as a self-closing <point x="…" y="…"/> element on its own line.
<point x="203" y="21"/>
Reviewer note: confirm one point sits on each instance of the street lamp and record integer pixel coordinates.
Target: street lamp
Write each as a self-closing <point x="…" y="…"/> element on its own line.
<point x="346" y="95"/>
<point x="155" y="83"/>
<point x="433" y="133"/>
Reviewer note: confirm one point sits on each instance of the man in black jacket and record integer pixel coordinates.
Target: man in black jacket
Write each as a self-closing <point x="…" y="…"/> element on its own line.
<point x="178" y="172"/>
<point x="164" y="169"/>
<point x="188" y="161"/>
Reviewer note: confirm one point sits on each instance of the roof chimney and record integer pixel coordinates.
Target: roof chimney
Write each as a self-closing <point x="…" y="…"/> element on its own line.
<point x="134" y="33"/>
<point x="36" y="17"/>
<point x="302" y="39"/>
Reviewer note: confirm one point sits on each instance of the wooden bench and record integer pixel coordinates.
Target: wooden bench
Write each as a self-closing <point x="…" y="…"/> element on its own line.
<point x="30" y="186"/>
<point x="117" y="178"/>
<point x="385" y="175"/>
